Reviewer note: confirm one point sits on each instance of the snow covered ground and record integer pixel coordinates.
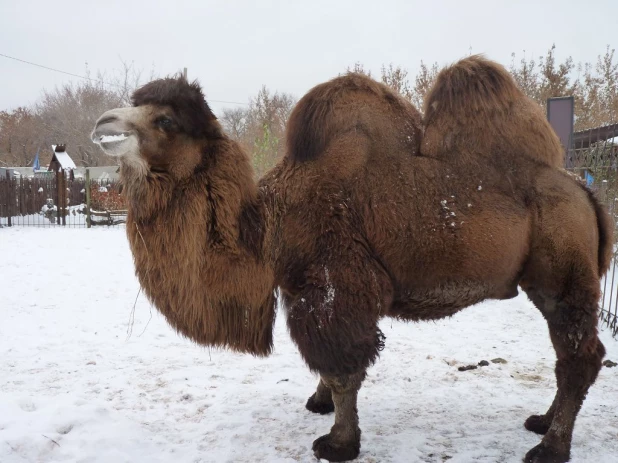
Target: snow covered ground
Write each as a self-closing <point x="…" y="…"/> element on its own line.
<point x="74" y="387"/>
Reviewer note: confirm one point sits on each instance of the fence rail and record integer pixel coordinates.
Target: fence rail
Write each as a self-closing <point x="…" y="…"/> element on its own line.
<point x="58" y="200"/>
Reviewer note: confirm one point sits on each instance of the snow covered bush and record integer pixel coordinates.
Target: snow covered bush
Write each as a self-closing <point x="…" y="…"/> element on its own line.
<point x="106" y="198"/>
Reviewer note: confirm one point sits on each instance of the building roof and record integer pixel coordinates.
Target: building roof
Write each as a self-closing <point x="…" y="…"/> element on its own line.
<point x="99" y="173"/>
<point x="62" y="157"/>
<point x="18" y="171"/>
<point x="585" y="138"/>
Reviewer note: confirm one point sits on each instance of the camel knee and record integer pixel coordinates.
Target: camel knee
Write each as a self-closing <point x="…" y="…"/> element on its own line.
<point x="581" y="370"/>
<point x="336" y="348"/>
<point x="342" y="384"/>
<point x="573" y="332"/>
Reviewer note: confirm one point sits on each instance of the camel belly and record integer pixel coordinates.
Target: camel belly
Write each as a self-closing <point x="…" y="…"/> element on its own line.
<point x="446" y="268"/>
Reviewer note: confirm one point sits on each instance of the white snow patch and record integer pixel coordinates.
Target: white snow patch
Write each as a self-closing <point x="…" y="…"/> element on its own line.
<point x="330" y="291"/>
<point x="47" y="208"/>
<point x="70" y="373"/>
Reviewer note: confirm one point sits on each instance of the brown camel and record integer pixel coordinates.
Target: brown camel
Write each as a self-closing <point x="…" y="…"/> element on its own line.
<point x="354" y="224"/>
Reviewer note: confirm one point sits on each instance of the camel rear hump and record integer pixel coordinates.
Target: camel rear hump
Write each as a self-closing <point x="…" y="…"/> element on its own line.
<point x="476" y="109"/>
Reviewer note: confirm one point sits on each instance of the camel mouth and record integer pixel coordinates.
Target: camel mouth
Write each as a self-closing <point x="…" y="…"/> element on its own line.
<point x="108" y="140"/>
<point x="114" y="133"/>
<point x="113" y="142"/>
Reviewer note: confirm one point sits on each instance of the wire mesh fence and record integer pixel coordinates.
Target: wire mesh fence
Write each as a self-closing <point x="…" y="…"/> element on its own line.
<point x="595" y="159"/>
<point x="58" y="200"/>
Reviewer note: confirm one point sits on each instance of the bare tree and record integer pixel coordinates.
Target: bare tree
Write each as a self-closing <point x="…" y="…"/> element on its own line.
<point x="555" y="79"/>
<point x="423" y="81"/>
<point x="593" y="87"/>
<point x="397" y="78"/>
<point x="359" y="69"/>
<point x="68" y="113"/>
<point x="526" y="75"/>
<point x="18" y="137"/>
<point x="234" y="121"/>
<point x="607" y="70"/>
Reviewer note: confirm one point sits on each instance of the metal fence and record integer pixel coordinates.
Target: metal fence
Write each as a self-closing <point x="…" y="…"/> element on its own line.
<point x="58" y="200"/>
<point x="595" y="159"/>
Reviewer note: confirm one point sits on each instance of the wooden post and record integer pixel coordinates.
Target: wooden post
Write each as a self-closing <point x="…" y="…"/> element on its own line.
<point x="88" y="224"/>
<point x="8" y="198"/>
<point x="57" y="198"/>
<point x="63" y="197"/>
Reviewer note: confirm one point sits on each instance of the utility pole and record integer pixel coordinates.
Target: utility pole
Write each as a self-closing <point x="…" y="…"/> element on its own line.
<point x="184" y="73"/>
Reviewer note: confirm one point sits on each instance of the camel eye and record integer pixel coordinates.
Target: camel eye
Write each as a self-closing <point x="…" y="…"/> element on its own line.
<point x="164" y="122"/>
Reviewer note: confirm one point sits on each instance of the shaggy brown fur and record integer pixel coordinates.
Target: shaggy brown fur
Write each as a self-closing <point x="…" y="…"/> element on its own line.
<point x="187" y="223"/>
<point x="476" y="110"/>
<point x="353" y="225"/>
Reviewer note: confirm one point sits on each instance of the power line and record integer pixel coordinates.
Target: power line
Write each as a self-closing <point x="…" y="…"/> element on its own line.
<point x="57" y="70"/>
<point x="96" y="80"/>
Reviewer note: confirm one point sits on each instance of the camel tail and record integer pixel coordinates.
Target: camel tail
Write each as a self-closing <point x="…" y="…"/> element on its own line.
<point x="606" y="233"/>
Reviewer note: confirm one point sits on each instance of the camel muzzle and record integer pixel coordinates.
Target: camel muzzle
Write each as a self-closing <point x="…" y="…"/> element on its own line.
<point x="113" y="132"/>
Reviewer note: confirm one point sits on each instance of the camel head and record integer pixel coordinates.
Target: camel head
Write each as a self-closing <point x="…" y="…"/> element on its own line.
<point x="167" y="130"/>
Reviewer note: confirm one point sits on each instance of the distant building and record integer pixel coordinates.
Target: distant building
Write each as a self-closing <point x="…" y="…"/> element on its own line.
<point x="100" y="173"/>
<point x="586" y="138"/>
<point x="61" y="160"/>
<point x="594" y="149"/>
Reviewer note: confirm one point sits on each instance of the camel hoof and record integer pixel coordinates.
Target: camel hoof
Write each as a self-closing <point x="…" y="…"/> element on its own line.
<point x="324" y="447"/>
<point x="544" y="454"/>
<point x="319" y="407"/>
<point x="537" y="424"/>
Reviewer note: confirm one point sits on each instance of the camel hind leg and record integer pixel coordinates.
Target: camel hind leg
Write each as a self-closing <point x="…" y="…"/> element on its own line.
<point x="579" y="354"/>
<point x="572" y="320"/>
<point x="570" y="243"/>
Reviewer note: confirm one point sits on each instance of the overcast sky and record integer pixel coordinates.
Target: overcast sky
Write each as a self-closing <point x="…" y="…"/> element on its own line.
<point x="235" y="47"/>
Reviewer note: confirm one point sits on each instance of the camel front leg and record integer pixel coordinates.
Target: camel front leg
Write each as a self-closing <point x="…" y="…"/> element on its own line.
<point x="343" y="441"/>
<point x="322" y="400"/>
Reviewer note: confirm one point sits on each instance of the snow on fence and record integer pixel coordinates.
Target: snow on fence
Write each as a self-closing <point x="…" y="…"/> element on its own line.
<point x="59" y="200"/>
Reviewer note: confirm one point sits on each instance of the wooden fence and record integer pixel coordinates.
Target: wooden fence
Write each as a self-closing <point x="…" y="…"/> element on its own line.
<point x="58" y="200"/>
